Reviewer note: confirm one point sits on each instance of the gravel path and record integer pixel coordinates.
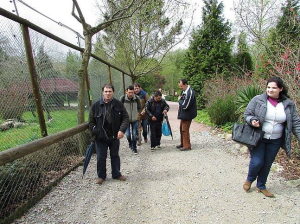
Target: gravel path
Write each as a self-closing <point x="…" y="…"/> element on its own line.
<point x="203" y="185"/>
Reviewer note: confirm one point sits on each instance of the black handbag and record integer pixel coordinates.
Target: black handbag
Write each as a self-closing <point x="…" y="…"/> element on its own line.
<point x="246" y="134"/>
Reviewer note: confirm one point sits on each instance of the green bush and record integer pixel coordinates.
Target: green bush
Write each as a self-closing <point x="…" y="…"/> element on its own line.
<point x="223" y="110"/>
<point x="171" y="98"/>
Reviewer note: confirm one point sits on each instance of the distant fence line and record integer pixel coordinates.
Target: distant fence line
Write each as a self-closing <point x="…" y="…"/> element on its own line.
<point x="30" y="165"/>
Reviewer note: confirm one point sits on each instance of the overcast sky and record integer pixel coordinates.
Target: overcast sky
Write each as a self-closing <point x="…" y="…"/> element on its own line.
<point x="60" y="11"/>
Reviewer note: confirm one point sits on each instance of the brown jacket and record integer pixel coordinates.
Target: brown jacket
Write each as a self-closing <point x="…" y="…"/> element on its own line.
<point x="144" y="97"/>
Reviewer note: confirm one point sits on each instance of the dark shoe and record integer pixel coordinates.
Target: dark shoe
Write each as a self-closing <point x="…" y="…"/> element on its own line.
<point x="146" y="140"/>
<point x="247" y="185"/>
<point x="179" y="146"/>
<point x="184" y="149"/>
<point x="122" y="178"/>
<point x="99" y="181"/>
<point x="266" y="193"/>
<point x="138" y="144"/>
<point x="135" y="151"/>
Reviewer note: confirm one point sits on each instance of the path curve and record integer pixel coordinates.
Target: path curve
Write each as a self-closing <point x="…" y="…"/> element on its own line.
<point x="203" y="185"/>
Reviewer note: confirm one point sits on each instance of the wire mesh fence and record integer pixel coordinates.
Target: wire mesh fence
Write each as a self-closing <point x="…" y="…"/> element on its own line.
<point x="25" y="180"/>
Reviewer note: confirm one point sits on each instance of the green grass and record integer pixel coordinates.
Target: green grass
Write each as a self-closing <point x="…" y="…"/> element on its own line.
<point x="61" y="120"/>
<point x="203" y="117"/>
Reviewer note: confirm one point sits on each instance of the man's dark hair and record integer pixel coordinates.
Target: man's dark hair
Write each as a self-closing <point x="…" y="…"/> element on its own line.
<point x="130" y="88"/>
<point x="137" y="84"/>
<point x="184" y="82"/>
<point x="156" y="93"/>
<point x="109" y="86"/>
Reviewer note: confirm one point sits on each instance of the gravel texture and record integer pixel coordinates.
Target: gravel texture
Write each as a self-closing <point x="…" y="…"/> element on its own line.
<point x="203" y="185"/>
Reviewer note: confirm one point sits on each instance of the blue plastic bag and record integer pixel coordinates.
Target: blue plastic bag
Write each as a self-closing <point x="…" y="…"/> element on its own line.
<point x="165" y="129"/>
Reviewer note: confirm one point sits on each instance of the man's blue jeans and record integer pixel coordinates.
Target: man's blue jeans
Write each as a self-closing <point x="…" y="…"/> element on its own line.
<point x="144" y="124"/>
<point x="132" y="129"/>
<point x="262" y="157"/>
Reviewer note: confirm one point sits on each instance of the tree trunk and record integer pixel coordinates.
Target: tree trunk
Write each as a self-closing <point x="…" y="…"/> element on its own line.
<point x="82" y="74"/>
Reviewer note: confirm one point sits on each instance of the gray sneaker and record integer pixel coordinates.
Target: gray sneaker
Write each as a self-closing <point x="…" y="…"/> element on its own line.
<point x="152" y="149"/>
<point x="158" y="147"/>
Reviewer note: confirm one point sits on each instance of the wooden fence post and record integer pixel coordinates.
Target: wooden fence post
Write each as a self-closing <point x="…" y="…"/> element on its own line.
<point x="34" y="82"/>
<point x="109" y="75"/>
<point x="123" y="78"/>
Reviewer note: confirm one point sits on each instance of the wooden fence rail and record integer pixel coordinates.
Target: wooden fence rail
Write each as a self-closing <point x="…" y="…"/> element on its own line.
<point x="12" y="154"/>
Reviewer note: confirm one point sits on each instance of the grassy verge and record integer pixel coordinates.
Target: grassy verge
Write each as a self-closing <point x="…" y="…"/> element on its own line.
<point x="203" y="117"/>
<point x="61" y="120"/>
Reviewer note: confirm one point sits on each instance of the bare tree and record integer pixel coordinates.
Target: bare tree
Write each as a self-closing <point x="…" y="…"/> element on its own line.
<point x="256" y="18"/>
<point x="119" y="12"/>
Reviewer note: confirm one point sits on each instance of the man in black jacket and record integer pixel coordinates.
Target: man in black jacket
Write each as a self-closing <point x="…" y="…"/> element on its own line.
<point x="108" y="121"/>
<point x="186" y="112"/>
<point x="156" y="107"/>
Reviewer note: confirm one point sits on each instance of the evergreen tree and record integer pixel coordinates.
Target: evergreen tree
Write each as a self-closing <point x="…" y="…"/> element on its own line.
<point x="209" y="53"/>
<point x="288" y="26"/>
<point x="243" y="58"/>
<point x="73" y="62"/>
<point x="44" y="65"/>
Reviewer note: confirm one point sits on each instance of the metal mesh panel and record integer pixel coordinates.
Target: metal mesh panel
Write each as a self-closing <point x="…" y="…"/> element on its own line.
<point x="56" y="67"/>
<point x="128" y="81"/>
<point x="117" y="81"/>
<point x="52" y="23"/>
<point x="98" y="75"/>
<point x="15" y="88"/>
<point x="23" y="181"/>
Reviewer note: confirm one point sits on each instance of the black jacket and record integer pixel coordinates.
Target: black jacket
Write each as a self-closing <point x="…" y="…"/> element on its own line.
<point x="150" y="108"/>
<point x="187" y="105"/>
<point x="120" y="119"/>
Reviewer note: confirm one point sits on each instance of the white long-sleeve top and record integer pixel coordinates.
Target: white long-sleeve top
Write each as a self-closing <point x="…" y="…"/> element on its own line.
<point x="273" y="124"/>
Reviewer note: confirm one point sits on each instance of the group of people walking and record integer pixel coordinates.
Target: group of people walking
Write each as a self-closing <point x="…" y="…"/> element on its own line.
<point x="110" y="119"/>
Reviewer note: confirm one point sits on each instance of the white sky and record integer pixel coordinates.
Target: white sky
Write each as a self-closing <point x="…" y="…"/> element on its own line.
<point x="60" y="11"/>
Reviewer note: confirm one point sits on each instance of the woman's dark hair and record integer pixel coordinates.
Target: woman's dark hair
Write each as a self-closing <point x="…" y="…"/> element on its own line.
<point x="109" y="86"/>
<point x="280" y="84"/>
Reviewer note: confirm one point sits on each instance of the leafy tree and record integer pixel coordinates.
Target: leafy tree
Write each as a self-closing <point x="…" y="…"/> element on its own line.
<point x="171" y="70"/>
<point x="140" y="43"/>
<point x="118" y="10"/>
<point x="209" y="53"/>
<point x="243" y="59"/>
<point x="151" y="82"/>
